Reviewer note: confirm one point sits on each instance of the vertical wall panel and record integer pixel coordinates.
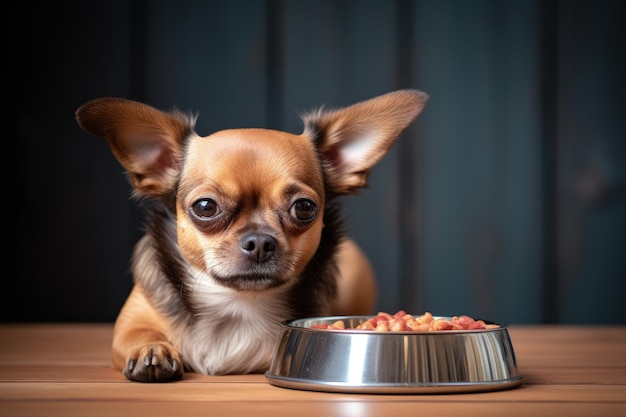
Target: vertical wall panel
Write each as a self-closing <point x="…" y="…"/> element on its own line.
<point x="73" y="219"/>
<point x="591" y="156"/>
<point x="480" y="160"/>
<point x="338" y="53"/>
<point x="518" y="207"/>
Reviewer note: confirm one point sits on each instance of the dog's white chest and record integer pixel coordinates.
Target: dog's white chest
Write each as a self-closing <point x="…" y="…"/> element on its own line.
<point x="234" y="334"/>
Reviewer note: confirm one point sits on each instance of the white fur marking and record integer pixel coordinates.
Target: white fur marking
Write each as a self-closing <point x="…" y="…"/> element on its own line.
<point x="235" y="332"/>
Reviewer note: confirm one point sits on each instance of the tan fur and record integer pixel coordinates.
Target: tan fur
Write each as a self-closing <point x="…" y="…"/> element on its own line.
<point x="139" y="325"/>
<point x="241" y="221"/>
<point x="357" y="292"/>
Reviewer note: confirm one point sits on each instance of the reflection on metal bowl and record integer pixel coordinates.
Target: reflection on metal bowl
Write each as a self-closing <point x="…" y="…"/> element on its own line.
<point x="391" y="362"/>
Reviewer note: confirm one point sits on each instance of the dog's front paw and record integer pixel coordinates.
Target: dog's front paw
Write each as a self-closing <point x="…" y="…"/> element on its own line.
<point x="154" y="363"/>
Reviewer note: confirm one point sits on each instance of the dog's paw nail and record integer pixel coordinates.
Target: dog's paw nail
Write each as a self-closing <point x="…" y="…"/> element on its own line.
<point x="155" y="360"/>
<point x="175" y="365"/>
<point x="131" y="364"/>
<point x="146" y="360"/>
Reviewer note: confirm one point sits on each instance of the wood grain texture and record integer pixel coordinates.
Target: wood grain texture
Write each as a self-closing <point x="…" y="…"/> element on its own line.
<point x="63" y="370"/>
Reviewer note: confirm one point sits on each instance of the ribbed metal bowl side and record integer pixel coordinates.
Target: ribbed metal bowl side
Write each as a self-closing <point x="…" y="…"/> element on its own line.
<point x="369" y="361"/>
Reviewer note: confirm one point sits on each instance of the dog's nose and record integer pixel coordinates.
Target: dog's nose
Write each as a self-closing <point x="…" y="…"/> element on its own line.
<point x="258" y="247"/>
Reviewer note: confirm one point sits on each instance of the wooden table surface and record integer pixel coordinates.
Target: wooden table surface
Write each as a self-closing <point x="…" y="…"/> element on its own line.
<point x="63" y="370"/>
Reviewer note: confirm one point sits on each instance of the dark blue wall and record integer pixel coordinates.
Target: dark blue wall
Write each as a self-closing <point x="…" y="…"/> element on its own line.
<point x="505" y="200"/>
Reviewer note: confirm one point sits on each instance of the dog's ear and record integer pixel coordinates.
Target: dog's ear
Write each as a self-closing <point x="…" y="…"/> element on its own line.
<point x="146" y="141"/>
<point x="353" y="139"/>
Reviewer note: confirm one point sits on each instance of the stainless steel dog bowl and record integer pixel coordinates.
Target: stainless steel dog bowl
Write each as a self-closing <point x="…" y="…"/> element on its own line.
<point x="362" y="361"/>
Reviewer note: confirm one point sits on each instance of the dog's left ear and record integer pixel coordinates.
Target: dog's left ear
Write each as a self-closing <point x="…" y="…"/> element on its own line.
<point x="353" y="139"/>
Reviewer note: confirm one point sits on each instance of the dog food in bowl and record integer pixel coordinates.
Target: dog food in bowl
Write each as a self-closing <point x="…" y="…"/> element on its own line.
<point x="404" y="322"/>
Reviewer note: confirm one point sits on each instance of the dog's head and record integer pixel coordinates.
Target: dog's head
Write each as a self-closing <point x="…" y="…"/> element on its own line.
<point x="250" y="203"/>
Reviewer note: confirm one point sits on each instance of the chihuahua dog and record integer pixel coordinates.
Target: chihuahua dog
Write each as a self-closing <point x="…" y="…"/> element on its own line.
<point x="243" y="230"/>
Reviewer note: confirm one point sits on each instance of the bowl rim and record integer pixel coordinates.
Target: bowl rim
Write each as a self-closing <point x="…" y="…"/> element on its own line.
<point x="290" y="324"/>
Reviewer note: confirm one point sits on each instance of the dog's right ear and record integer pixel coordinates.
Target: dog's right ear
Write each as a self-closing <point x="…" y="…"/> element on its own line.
<point x="146" y="141"/>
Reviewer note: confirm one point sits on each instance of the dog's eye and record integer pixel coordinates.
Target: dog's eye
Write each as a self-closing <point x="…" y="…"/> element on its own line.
<point x="205" y="208"/>
<point x="304" y="210"/>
